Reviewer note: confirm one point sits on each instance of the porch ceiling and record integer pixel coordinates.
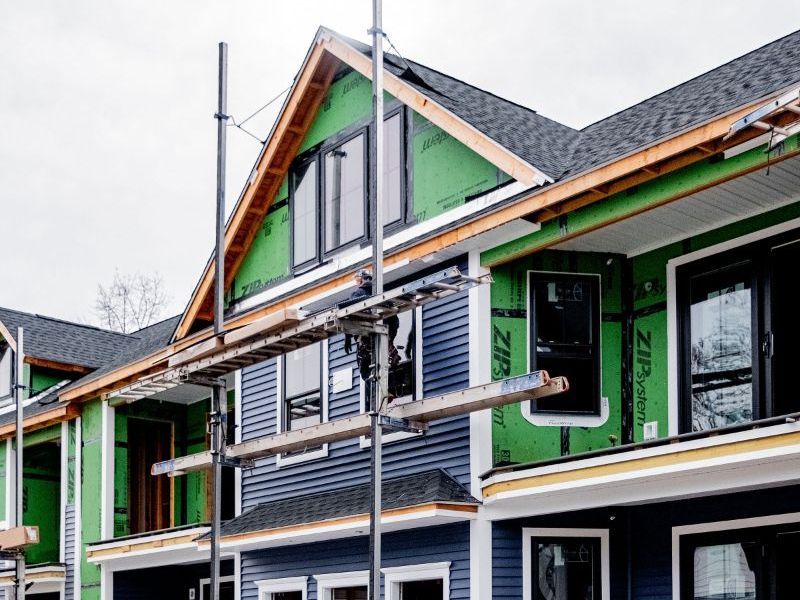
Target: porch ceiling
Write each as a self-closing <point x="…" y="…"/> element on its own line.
<point x="708" y="209"/>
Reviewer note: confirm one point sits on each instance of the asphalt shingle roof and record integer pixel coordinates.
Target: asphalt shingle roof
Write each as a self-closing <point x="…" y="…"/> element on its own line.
<point x="400" y="492"/>
<point x="61" y="341"/>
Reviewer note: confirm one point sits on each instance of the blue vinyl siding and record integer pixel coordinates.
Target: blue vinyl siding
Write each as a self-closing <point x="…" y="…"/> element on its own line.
<point x="430" y="545"/>
<point x="445" y="351"/>
<point x="69" y="552"/>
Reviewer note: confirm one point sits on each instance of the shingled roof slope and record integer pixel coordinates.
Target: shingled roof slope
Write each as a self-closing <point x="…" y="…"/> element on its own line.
<point x="400" y="492"/>
<point x="60" y="341"/>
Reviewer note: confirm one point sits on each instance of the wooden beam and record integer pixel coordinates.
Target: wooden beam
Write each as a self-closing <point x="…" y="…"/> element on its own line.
<point x="61" y="412"/>
<point x="6" y="335"/>
<point x="56" y="365"/>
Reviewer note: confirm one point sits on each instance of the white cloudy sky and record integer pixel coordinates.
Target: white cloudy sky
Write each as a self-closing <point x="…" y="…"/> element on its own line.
<point x="107" y="150"/>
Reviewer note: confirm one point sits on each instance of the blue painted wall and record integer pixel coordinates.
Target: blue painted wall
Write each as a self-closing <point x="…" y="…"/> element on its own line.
<point x="418" y="546"/>
<point x="445" y="350"/>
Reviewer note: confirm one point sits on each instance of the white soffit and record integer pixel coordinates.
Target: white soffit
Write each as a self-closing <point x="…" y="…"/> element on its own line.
<point x="703" y="211"/>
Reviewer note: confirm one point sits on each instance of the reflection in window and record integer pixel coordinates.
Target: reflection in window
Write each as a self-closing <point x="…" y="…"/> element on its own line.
<point x="392" y="170"/>
<point x="302" y="398"/>
<point x="565" y="324"/>
<point x="345" y="197"/>
<point x="566" y="569"/>
<point x="350" y="593"/>
<point x="401" y="358"/>
<point x="304" y="213"/>
<point x="724" y="572"/>
<point x="721" y="341"/>
<point x="285" y="596"/>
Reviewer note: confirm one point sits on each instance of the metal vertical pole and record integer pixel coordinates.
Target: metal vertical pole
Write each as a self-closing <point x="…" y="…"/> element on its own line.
<point x="19" y="394"/>
<point x="380" y="349"/>
<point x="218" y="391"/>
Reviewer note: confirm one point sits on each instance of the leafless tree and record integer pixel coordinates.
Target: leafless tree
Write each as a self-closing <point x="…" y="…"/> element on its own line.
<point x="131" y="302"/>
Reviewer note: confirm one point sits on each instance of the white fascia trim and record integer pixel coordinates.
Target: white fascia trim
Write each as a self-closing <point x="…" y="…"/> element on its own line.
<point x="76" y="575"/>
<point x="396" y="436"/>
<point x="394" y="576"/>
<point x="709" y="442"/>
<point x="237" y="438"/>
<point x="327" y="582"/>
<point x="283" y="584"/>
<point x="353" y="257"/>
<point x="10" y="466"/>
<point x="62" y="542"/>
<point x="286" y="461"/>
<point x="529" y="533"/>
<point x="730" y="525"/>
<point x="107" y="464"/>
<point x="673" y="393"/>
<point x="237" y="573"/>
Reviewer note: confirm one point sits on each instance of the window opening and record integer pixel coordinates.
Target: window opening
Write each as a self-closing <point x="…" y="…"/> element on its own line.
<point x="566" y="569"/>
<point x="148" y="497"/>
<point x="302" y="397"/>
<point x="345" y="197"/>
<point x="350" y="593"/>
<point x="392" y="170"/>
<point x="402" y="361"/>
<point x="428" y="589"/>
<point x="565" y="338"/>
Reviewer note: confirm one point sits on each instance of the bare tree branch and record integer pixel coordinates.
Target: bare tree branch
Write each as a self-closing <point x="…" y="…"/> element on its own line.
<point x="131" y="302"/>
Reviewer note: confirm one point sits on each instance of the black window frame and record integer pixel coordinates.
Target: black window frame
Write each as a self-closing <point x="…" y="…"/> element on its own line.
<point x="317" y="153"/>
<point x="763" y="322"/>
<point x="594" y="280"/>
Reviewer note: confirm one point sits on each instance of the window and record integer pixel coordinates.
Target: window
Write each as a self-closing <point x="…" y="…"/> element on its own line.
<point x="565" y="338"/>
<point x="149" y="498"/>
<point x="565" y="564"/>
<point x="342" y="586"/>
<point x="418" y="582"/>
<point x="332" y="181"/>
<point x="303" y="398"/>
<point x="286" y="588"/>
<point x="752" y="564"/>
<point x="738" y="332"/>
<point x="6" y="360"/>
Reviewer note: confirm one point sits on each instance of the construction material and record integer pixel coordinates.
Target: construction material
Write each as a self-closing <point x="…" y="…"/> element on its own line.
<point x="509" y="391"/>
<point x="17" y="538"/>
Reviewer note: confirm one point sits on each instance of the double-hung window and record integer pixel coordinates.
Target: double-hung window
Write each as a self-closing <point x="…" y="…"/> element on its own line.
<point x="565" y="338"/>
<point x="329" y="193"/>
<point x="303" y="398"/>
<point x="738" y="332"/>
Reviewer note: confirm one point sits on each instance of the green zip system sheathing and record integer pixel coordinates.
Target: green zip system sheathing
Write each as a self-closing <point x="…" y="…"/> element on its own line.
<point x="517" y="440"/>
<point x="41" y="486"/>
<point x="91" y="474"/>
<point x="444" y="173"/>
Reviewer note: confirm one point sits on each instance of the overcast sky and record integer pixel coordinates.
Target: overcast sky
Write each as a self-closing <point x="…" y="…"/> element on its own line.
<point x="107" y="150"/>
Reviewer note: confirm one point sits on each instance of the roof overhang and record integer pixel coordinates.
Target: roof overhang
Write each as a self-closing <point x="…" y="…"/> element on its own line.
<point x="424" y="515"/>
<point x="714" y="465"/>
<point x="42" y="579"/>
<point x="59" y="413"/>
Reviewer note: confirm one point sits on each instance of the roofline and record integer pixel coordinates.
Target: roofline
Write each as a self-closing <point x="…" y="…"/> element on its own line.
<point x="337" y="46"/>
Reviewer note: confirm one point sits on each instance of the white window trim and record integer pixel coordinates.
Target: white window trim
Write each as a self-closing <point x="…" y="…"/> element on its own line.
<point x="207" y="580"/>
<point x="731" y="525"/>
<point x="396" y="436"/>
<point x="268" y="587"/>
<point x="394" y="576"/>
<point x="328" y="582"/>
<point x="285" y="461"/>
<point x="528" y="533"/>
<point x="544" y="419"/>
<point x="673" y="351"/>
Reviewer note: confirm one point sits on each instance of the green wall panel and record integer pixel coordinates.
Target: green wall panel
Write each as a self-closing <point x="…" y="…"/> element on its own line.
<point x="90" y="478"/>
<point x="3" y="481"/>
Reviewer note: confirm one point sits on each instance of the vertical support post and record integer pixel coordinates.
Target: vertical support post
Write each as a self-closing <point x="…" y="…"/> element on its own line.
<point x="380" y="342"/>
<point x="19" y="394"/>
<point x="218" y="391"/>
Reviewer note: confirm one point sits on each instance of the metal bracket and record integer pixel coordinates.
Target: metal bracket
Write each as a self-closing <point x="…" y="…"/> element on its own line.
<point x="202" y="380"/>
<point x="395" y="424"/>
<point x="378" y="30"/>
<point x="221" y="116"/>
<point x="237" y="463"/>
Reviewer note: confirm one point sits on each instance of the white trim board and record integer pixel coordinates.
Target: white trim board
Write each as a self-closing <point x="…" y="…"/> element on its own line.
<point x="283" y="584"/>
<point x="732" y="524"/>
<point x="328" y="582"/>
<point x="394" y="577"/>
<point x="528" y="533"/>
<point x="207" y="581"/>
<point x="673" y="393"/>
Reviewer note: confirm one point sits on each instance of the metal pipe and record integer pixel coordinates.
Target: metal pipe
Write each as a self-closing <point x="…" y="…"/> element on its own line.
<point x="380" y="342"/>
<point x="19" y="394"/>
<point x="217" y="449"/>
<point x="222" y="123"/>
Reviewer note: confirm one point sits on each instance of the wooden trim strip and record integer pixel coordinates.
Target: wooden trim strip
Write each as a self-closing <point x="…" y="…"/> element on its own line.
<point x="144" y="544"/>
<point x="6" y="334"/>
<point x="56" y="365"/>
<point x="640" y="464"/>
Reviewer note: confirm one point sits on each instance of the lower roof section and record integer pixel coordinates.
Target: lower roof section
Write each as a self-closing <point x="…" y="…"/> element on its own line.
<point x="41" y="579"/>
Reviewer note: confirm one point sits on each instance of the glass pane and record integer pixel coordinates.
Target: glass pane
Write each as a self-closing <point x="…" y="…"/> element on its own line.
<point x="721" y="349"/>
<point x="350" y="593"/>
<point x="286" y="596"/>
<point x="430" y="589"/>
<point x="344" y="193"/>
<point x="563" y="309"/>
<point x="392" y="170"/>
<point x="785" y="327"/>
<point x="302" y="370"/>
<point x="5" y="373"/>
<point x="725" y="572"/>
<point x="401" y="359"/>
<point x="567" y="570"/>
<point x="304" y="213"/>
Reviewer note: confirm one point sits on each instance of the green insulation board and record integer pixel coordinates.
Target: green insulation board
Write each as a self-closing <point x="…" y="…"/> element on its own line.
<point x="41" y="485"/>
<point x="3" y="481"/>
<point x="445" y="174"/>
<point x="43" y="379"/>
<point x="515" y="439"/>
<point x="90" y="480"/>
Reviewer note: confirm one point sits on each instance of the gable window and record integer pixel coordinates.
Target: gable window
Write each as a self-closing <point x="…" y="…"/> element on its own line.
<point x="565" y="338"/>
<point x="332" y="181"/>
<point x="738" y="330"/>
<point x="6" y="358"/>
<point x="302" y="399"/>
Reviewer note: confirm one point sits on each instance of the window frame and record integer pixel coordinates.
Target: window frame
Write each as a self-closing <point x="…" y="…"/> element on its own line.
<point x="328" y="582"/>
<point x="7" y="359"/>
<point x="282" y="460"/>
<point x="396" y="436"/>
<point x="395" y="577"/>
<point x="317" y="154"/>
<point x="595" y="279"/>
<point x="531" y="533"/>
<point x="268" y="587"/>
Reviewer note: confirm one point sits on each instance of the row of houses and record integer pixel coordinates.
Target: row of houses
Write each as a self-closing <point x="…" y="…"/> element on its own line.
<point x="647" y="258"/>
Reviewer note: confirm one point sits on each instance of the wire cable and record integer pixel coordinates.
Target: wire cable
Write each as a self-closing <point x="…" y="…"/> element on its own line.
<point x="238" y="125"/>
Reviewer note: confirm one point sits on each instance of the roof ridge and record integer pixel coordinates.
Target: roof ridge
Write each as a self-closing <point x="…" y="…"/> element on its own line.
<point x="60" y="320"/>
<point x="691" y="79"/>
